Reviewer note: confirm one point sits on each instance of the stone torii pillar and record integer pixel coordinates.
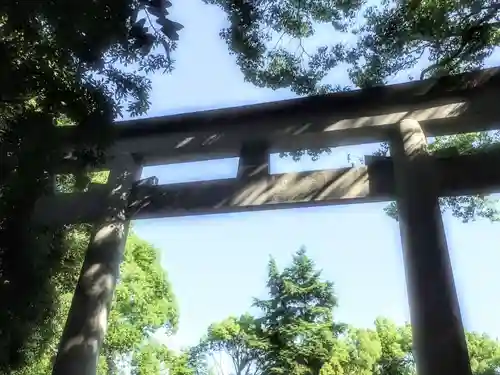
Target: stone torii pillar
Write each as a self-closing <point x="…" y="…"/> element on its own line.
<point x="86" y="325"/>
<point x="438" y="335"/>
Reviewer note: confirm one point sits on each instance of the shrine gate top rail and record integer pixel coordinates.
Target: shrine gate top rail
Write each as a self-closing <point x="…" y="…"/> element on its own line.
<point x="449" y="105"/>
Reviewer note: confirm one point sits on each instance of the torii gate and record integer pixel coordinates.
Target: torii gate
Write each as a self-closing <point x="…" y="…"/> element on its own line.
<point x="399" y="114"/>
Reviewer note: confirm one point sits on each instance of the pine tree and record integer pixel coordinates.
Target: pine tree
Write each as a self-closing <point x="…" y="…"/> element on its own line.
<point x="297" y="319"/>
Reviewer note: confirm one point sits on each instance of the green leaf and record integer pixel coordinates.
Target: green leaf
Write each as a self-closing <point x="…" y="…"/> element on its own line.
<point x="140" y="23"/>
<point x="170" y="28"/>
<point x="156" y="11"/>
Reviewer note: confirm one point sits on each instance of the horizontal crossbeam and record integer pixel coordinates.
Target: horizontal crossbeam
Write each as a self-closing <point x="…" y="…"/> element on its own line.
<point x="459" y="175"/>
<point x="324" y="109"/>
<point x="461" y="117"/>
<point x="208" y="197"/>
<point x="479" y="113"/>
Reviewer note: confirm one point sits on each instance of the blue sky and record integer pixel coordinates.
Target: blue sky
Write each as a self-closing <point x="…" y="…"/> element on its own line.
<point x="217" y="263"/>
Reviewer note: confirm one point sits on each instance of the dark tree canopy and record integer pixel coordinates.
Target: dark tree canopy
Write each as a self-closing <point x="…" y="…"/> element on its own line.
<point x="65" y="58"/>
<point x="389" y="37"/>
<point x="456" y="36"/>
<point x="61" y="63"/>
<point x="257" y="28"/>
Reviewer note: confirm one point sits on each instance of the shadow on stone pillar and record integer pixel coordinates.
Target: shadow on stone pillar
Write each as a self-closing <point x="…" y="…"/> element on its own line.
<point x="438" y="335"/>
<point x="86" y="325"/>
<point x="254" y="160"/>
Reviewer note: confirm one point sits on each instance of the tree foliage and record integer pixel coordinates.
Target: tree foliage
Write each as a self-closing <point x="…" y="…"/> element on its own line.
<point x="389" y="37"/>
<point x="258" y="32"/>
<point x="239" y="339"/>
<point x="297" y="319"/>
<point x="84" y="64"/>
<point x="69" y="59"/>
<point x="456" y="36"/>
<point x="143" y="303"/>
<point x="296" y="334"/>
<point x="61" y="63"/>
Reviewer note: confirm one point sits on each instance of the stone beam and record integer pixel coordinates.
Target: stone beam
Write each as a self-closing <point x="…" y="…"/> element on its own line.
<point x="461" y="174"/>
<point x="72" y="208"/>
<point x="477" y="113"/>
<point x="202" y="146"/>
<point x="339" y="186"/>
<point x="469" y="174"/>
<point x="458" y="175"/>
<point x="322" y="109"/>
<point x="291" y="190"/>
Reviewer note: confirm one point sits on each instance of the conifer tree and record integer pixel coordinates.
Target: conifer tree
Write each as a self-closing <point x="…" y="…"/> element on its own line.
<point x="297" y="318"/>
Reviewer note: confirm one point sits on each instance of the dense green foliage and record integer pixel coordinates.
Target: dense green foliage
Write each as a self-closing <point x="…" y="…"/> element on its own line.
<point x="61" y="63"/>
<point x="240" y="338"/>
<point x="257" y="30"/>
<point x="297" y="319"/>
<point x="295" y="333"/>
<point x="69" y="59"/>
<point x="144" y="302"/>
<point x="389" y="37"/>
<point x="455" y="36"/>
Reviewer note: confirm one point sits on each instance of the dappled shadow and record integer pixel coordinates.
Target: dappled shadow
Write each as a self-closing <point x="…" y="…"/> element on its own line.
<point x="317" y="130"/>
<point x="289" y="190"/>
<point x="38" y="264"/>
<point x="336" y="186"/>
<point x="373" y="182"/>
<point x="88" y="315"/>
<point x="87" y="319"/>
<point x="347" y="185"/>
<point x="24" y="276"/>
<point x="428" y="113"/>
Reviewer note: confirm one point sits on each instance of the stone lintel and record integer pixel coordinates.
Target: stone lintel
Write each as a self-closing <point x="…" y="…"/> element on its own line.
<point x="459" y="175"/>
